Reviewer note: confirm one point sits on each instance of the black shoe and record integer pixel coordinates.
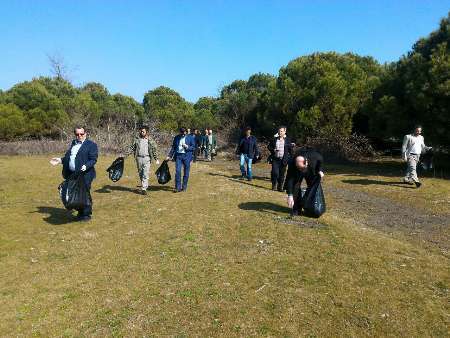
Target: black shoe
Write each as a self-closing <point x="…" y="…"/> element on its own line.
<point x="280" y="188"/>
<point x="144" y="192"/>
<point x="294" y="213"/>
<point x="84" y="218"/>
<point x="249" y="179"/>
<point x="274" y="187"/>
<point x="418" y="184"/>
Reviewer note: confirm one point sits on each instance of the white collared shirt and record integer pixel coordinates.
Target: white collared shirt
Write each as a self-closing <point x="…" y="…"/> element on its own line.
<point x="279" y="147"/>
<point x="73" y="154"/>
<point x="181" y="149"/>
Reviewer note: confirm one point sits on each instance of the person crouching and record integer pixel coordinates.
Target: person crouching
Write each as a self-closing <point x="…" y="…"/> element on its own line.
<point x="304" y="165"/>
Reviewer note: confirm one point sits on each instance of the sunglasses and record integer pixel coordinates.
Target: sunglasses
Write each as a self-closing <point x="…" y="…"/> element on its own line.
<point x="79" y="134"/>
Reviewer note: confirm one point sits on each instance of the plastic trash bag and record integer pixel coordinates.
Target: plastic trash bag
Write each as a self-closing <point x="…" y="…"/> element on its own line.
<point x="314" y="200"/>
<point x="163" y="173"/>
<point x="426" y="161"/>
<point x="74" y="193"/>
<point x="257" y="158"/>
<point x="115" y="170"/>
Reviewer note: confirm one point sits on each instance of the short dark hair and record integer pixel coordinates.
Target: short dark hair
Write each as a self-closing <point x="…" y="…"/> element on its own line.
<point x="247" y="128"/>
<point x="417" y="126"/>
<point x="144" y="127"/>
<point x="282" y="127"/>
<point x="182" y="130"/>
<point x="79" y="127"/>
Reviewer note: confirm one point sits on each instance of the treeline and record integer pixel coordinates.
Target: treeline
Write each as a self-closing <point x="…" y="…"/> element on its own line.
<point x="320" y="94"/>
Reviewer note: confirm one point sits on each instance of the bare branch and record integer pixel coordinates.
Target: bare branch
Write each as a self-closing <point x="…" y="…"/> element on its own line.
<point x="59" y="67"/>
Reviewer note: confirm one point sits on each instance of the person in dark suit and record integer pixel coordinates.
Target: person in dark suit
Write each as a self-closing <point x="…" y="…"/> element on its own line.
<point x="198" y="144"/>
<point x="81" y="157"/>
<point x="280" y="148"/>
<point x="247" y="150"/>
<point x="304" y="165"/>
<point x="183" y="146"/>
<point x="204" y="144"/>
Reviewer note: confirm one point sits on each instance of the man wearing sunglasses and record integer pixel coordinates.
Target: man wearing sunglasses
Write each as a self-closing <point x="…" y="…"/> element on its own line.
<point x="81" y="157"/>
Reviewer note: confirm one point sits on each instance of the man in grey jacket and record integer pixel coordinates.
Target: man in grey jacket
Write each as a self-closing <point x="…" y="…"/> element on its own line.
<point x="145" y="151"/>
<point x="413" y="145"/>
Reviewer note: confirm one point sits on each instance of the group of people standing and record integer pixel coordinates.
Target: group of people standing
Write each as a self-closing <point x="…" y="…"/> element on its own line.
<point x="188" y="146"/>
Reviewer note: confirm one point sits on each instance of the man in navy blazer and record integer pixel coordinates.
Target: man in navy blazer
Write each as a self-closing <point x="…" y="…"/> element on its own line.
<point x="80" y="157"/>
<point x="181" y="152"/>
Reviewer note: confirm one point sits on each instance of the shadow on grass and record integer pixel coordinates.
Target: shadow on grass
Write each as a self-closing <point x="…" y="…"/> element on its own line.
<point x="385" y="169"/>
<point x="109" y="188"/>
<point x="57" y="216"/>
<point x="268" y="207"/>
<point x="239" y="179"/>
<point x="366" y="181"/>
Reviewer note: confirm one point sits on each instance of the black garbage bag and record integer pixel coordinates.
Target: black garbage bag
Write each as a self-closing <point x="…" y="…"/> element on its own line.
<point x="115" y="170"/>
<point x="426" y="161"/>
<point x="74" y="194"/>
<point x="314" y="200"/>
<point x="163" y="173"/>
<point x="257" y="158"/>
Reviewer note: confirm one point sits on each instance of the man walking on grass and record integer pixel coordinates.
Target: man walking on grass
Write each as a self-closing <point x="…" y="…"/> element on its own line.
<point x="247" y="150"/>
<point x="413" y="146"/>
<point x="183" y="146"/>
<point x="305" y="165"/>
<point x="212" y="144"/>
<point x="204" y="146"/>
<point x="145" y="151"/>
<point x="198" y="144"/>
<point x="280" y="148"/>
<point x="80" y="158"/>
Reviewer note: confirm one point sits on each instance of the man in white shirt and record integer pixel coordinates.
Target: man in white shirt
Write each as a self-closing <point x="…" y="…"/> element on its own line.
<point x="413" y="146"/>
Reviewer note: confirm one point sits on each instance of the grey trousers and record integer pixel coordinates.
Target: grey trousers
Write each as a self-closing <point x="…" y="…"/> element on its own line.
<point x="411" y="169"/>
<point x="143" y="167"/>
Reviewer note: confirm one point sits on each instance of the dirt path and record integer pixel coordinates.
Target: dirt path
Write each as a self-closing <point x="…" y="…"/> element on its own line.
<point x="392" y="217"/>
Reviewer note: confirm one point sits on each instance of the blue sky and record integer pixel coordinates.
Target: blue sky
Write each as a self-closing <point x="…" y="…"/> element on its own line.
<point x="196" y="47"/>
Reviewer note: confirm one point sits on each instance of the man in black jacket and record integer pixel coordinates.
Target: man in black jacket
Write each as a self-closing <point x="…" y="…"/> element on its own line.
<point x="80" y="158"/>
<point x="304" y="165"/>
<point x="247" y="150"/>
<point x="280" y="148"/>
<point x="198" y="144"/>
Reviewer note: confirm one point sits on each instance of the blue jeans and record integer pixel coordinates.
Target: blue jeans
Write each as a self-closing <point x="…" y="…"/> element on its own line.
<point x="182" y="161"/>
<point x="246" y="172"/>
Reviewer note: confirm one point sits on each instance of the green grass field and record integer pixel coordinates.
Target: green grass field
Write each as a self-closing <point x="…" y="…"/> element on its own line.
<point x="224" y="258"/>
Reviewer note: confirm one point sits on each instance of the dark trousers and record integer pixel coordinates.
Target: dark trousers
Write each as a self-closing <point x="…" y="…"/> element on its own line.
<point x="182" y="161"/>
<point x="278" y="172"/>
<point x="195" y="153"/>
<point x="300" y="193"/>
<point x="298" y="200"/>
<point x="88" y="210"/>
